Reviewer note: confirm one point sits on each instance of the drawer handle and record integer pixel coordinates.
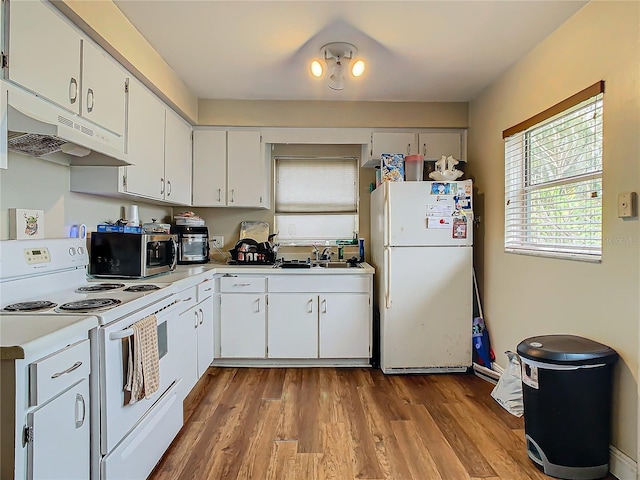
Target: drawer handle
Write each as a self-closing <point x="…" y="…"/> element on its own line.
<point x="207" y="289"/>
<point x="241" y="284"/>
<point x="73" y="367"/>
<point x="187" y="299"/>
<point x="80" y="400"/>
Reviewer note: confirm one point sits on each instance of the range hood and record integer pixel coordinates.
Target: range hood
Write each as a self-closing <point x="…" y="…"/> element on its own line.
<point x="42" y="129"/>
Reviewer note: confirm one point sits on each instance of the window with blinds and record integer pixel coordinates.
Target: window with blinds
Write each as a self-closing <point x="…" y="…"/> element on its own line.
<point x="316" y="199"/>
<point x="553" y="180"/>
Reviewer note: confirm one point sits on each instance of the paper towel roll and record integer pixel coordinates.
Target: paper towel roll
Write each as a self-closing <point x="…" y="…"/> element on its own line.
<point x="134" y="218"/>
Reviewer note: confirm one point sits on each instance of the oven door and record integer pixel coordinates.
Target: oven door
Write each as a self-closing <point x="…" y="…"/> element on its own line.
<point x="117" y="415"/>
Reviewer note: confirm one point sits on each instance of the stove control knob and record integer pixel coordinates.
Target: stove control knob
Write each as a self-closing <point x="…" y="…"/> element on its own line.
<point x="80" y="250"/>
<point x="72" y="251"/>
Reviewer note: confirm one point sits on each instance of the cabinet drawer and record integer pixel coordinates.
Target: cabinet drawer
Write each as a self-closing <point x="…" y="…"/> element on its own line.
<point x="243" y="284"/>
<point x="319" y="283"/>
<point x="188" y="298"/>
<point x="205" y="289"/>
<point x="56" y="372"/>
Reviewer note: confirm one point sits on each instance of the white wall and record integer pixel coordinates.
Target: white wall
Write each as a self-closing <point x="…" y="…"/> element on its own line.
<point x="526" y="296"/>
<point x="37" y="184"/>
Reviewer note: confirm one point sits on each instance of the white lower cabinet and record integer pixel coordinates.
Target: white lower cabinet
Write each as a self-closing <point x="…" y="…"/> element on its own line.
<point x="194" y="335"/>
<point x="204" y="315"/>
<point x="243" y="316"/>
<point x="293" y="325"/>
<point x="243" y="325"/>
<point x="66" y="418"/>
<point x="295" y="317"/>
<point x="59" y="389"/>
<point x="307" y="319"/>
<point x="344" y="325"/>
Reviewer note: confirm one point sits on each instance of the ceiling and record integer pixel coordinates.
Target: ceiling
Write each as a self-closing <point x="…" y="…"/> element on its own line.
<point x="419" y="51"/>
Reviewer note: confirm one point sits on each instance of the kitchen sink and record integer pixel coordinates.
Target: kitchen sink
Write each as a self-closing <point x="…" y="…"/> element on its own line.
<point x="337" y="265"/>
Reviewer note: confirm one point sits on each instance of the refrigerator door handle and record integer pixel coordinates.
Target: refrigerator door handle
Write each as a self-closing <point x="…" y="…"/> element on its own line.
<point x="386" y="214"/>
<point x="387" y="278"/>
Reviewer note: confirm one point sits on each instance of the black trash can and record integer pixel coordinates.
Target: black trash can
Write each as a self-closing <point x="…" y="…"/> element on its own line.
<point x="566" y="386"/>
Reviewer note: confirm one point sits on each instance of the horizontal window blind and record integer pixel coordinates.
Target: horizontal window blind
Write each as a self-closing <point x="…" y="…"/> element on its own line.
<point x="316" y="185"/>
<point x="316" y="199"/>
<point x="553" y="185"/>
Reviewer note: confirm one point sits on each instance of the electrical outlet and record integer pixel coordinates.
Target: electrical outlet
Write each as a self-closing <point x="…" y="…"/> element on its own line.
<point x="217" y="241"/>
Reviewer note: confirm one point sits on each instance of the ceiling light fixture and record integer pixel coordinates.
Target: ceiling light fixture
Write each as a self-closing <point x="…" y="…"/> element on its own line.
<point x="337" y="56"/>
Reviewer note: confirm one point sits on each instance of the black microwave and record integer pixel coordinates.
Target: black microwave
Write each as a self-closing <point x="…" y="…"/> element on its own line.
<point x="131" y="255"/>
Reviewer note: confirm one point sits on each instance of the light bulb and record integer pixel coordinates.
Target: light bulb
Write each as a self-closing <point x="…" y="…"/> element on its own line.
<point x="358" y="68"/>
<point x="316" y="69"/>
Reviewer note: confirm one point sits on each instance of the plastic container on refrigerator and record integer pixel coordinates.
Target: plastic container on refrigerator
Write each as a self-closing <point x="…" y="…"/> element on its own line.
<point x="413" y="167"/>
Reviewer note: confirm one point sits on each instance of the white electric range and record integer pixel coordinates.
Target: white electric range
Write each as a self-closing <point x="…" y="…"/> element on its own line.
<point x="47" y="278"/>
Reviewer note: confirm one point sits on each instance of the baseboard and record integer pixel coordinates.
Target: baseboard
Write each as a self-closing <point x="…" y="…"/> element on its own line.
<point x="621" y="466"/>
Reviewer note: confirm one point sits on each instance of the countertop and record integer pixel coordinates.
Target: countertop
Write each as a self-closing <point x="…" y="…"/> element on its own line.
<point x="186" y="275"/>
<point x="23" y="336"/>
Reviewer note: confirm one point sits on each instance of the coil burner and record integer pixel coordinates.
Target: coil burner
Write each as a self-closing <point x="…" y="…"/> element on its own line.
<point x="34" y="306"/>
<point x="89" y="305"/>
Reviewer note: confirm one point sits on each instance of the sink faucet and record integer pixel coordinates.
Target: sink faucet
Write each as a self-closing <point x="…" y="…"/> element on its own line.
<point x="324" y="256"/>
<point x="316" y="252"/>
<point x="326" y="253"/>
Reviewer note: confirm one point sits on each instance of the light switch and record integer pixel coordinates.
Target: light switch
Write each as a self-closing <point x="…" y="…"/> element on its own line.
<point x="627" y="205"/>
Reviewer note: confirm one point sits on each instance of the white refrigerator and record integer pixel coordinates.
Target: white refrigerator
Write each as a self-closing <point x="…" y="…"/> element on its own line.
<point x="421" y="247"/>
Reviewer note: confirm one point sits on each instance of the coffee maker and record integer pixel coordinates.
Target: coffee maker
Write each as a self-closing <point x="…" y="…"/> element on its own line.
<point x="193" y="244"/>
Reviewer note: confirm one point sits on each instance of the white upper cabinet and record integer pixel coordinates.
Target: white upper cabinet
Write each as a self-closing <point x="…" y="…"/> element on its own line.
<point x="393" y="142"/>
<point x="246" y="170"/>
<point x="209" y="168"/>
<point x="44" y="53"/>
<point x="434" y="145"/>
<point x="158" y="145"/>
<point x="103" y="89"/>
<point x="230" y="169"/>
<point x="177" y="159"/>
<point x="48" y="56"/>
<point x="145" y="143"/>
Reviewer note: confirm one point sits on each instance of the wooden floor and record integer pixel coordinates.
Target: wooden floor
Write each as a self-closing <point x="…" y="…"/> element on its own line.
<point x="326" y="423"/>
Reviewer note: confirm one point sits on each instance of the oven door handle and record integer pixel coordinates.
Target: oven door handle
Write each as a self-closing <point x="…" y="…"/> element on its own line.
<point x="120" y="334"/>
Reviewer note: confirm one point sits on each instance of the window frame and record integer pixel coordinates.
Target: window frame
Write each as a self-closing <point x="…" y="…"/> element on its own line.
<point x="519" y="236"/>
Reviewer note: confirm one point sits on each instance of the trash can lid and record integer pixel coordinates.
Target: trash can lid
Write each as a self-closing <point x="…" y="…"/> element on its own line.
<point x="566" y="350"/>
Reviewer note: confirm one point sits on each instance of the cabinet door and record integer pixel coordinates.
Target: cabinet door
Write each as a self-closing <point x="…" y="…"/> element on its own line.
<point x="145" y="143"/>
<point x="177" y="159"/>
<point x="242" y="325"/>
<point x="248" y="177"/>
<point x="60" y="444"/>
<point x="44" y="53"/>
<point x="433" y="145"/>
<point x="392" y="142"/>
<point x="205" y="335"/>
<point x="103" y="89"/>
<point x="187" y="343"/>
<point x="344" y="325"/>
<point x="293" y="325"/>
<point x="209" y="168"/>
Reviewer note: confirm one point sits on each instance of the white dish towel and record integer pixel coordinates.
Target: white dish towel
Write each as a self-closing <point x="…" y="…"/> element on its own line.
<point x="143" y="372"/>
